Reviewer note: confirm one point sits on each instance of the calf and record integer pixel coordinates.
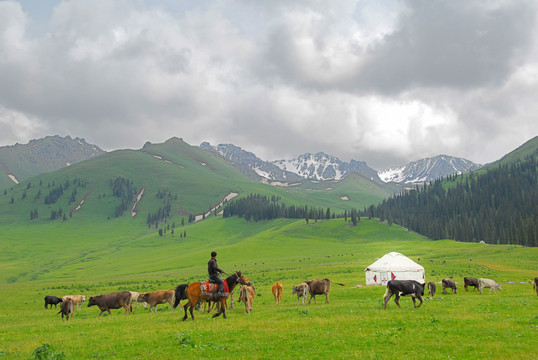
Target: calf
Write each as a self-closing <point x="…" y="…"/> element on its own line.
<point x="470" y="281"/>
<point x="158" y="297"/>
<point x="134" y="298"/>
<point x="67" y="308"/>
<point x="77" y="299"/>
<point x="277" y="289"/>
<point x="301" y="290"/>
<point x="115" y="300"/>
<point x="449" y="283"/>
<point x="52" y="300"/>
<point x="431" y="288"/>
<point x="488" y="283"/>
<point x="246" y="295"/>
<point x="535" y="286"/>
<point x="403" y="288"/>
<point x="320" y="287"/>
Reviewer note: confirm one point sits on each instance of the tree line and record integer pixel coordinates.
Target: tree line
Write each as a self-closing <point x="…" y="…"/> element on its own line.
<point x="258" y="207"/>
<point x="499" y="206"/>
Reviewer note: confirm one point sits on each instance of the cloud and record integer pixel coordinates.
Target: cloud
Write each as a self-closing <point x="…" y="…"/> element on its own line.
<point x="385" y="82"/>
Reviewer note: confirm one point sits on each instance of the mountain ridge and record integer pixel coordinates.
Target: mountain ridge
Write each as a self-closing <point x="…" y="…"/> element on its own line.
<point x="429" y="169"/>
<point x="323" y="167"/>
<point x="22" y="161"/>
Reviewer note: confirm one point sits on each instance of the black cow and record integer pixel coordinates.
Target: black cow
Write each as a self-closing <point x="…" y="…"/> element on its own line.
<point x="52" y="300"/>
<point x="536" y="284"/>
<point x="115" y="300"/>
<point x="403" y="288"/>
<point x="449" y="283"/>
<point x="431" y="288"/>
<point x="470" y="281"/>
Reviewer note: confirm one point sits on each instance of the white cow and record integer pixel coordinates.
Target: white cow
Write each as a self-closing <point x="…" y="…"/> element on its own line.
<point x="134" y="298"/>
<point x="488" y="283"/>
<point x="302" y="292"/>
<point x="77" y="299"/>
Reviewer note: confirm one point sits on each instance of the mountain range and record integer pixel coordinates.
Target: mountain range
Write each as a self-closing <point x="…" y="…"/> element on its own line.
<point x="324" y="167"/>
<point x="20" y="162"/>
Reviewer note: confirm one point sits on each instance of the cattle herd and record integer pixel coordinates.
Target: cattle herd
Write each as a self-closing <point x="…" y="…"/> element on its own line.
<point x="126" y="299"/>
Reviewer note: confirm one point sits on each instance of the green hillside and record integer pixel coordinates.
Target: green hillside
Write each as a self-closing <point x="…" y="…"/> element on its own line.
<point x="184" y="178"/>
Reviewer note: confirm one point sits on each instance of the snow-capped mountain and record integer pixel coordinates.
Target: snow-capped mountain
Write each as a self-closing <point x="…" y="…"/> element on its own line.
<point x="318" y="166"/>
<point x="429" y="169"/>
<point x="321" y="166"/>
<point x="250" y="165"/>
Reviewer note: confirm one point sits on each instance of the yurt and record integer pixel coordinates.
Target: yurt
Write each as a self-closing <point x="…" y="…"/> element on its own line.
<point x="393" y="266"/>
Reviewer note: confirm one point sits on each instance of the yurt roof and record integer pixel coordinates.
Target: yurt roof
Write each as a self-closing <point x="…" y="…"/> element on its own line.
<point x="394" y="261"/>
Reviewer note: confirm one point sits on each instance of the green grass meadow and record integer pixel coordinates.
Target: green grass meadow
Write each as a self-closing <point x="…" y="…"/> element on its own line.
<point x="78" y="258"/>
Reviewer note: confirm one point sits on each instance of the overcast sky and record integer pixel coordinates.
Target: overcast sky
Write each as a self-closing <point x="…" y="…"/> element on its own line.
<point x="386" y="82"/>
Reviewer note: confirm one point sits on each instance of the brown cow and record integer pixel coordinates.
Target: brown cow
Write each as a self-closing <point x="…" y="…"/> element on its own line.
<point x="246" y="295"/>
<point x="77" y="299"/>
<point x="277" y="291"/>
<point x="115" y="300"/>
<point x="449" y="283"/>
<point x="536" y="285"/>
<point x="431" y="288"/>
<point x="158" y="297"/>
<point x="470" y="281"/>
<point x="319" y="287"/>
<point x="67" y="308"/>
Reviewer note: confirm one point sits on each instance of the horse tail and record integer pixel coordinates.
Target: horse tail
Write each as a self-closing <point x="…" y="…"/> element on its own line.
<point x="179" y="294"/>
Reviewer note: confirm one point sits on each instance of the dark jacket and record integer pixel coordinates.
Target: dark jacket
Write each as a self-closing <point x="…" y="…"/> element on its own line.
<point x="213" y="268"/>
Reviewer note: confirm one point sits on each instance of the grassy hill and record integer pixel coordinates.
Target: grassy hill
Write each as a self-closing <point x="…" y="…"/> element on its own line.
<point x="58" y="259"/>
<point x="191" y="180"/>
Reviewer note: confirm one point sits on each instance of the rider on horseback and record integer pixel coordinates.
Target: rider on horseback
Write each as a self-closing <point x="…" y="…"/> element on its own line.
<point x="214" y="271"/>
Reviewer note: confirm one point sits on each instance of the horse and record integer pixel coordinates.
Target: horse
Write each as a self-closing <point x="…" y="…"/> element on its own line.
<point x="194" y="294"/>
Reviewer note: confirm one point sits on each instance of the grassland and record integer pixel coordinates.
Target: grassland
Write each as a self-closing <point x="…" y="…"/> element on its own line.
<point x="60" y="258"/>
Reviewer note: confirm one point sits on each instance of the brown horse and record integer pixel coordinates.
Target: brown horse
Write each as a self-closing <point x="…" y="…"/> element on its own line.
<point x="194" y="293"/>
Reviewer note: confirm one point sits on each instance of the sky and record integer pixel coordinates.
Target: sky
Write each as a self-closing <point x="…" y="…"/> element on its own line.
<point x="385" y="82"/>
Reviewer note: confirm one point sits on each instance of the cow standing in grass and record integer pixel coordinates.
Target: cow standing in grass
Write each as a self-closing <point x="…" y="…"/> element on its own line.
<point x="431" y="288"/>
<point x="536" y="285"/>
<point x="404" y="288"/>
<point x="52" y="300"/>
<point x="302" y="292"/>
<point x="488" y="283"/>
<point x="77" y="299"/>
<point x="449" y="283"/>
<point x="470" y="281"/>
<point x="246" y="295"/>
<point x="115" y="300"/>
<point x="67" y="308"/>
<point x="277" y="289"/>
<point x="155" y="298"/>
<point x="320" y="287"/>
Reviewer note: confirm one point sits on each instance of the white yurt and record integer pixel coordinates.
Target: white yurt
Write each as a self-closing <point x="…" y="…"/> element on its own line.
<point x="393" y="266"/>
